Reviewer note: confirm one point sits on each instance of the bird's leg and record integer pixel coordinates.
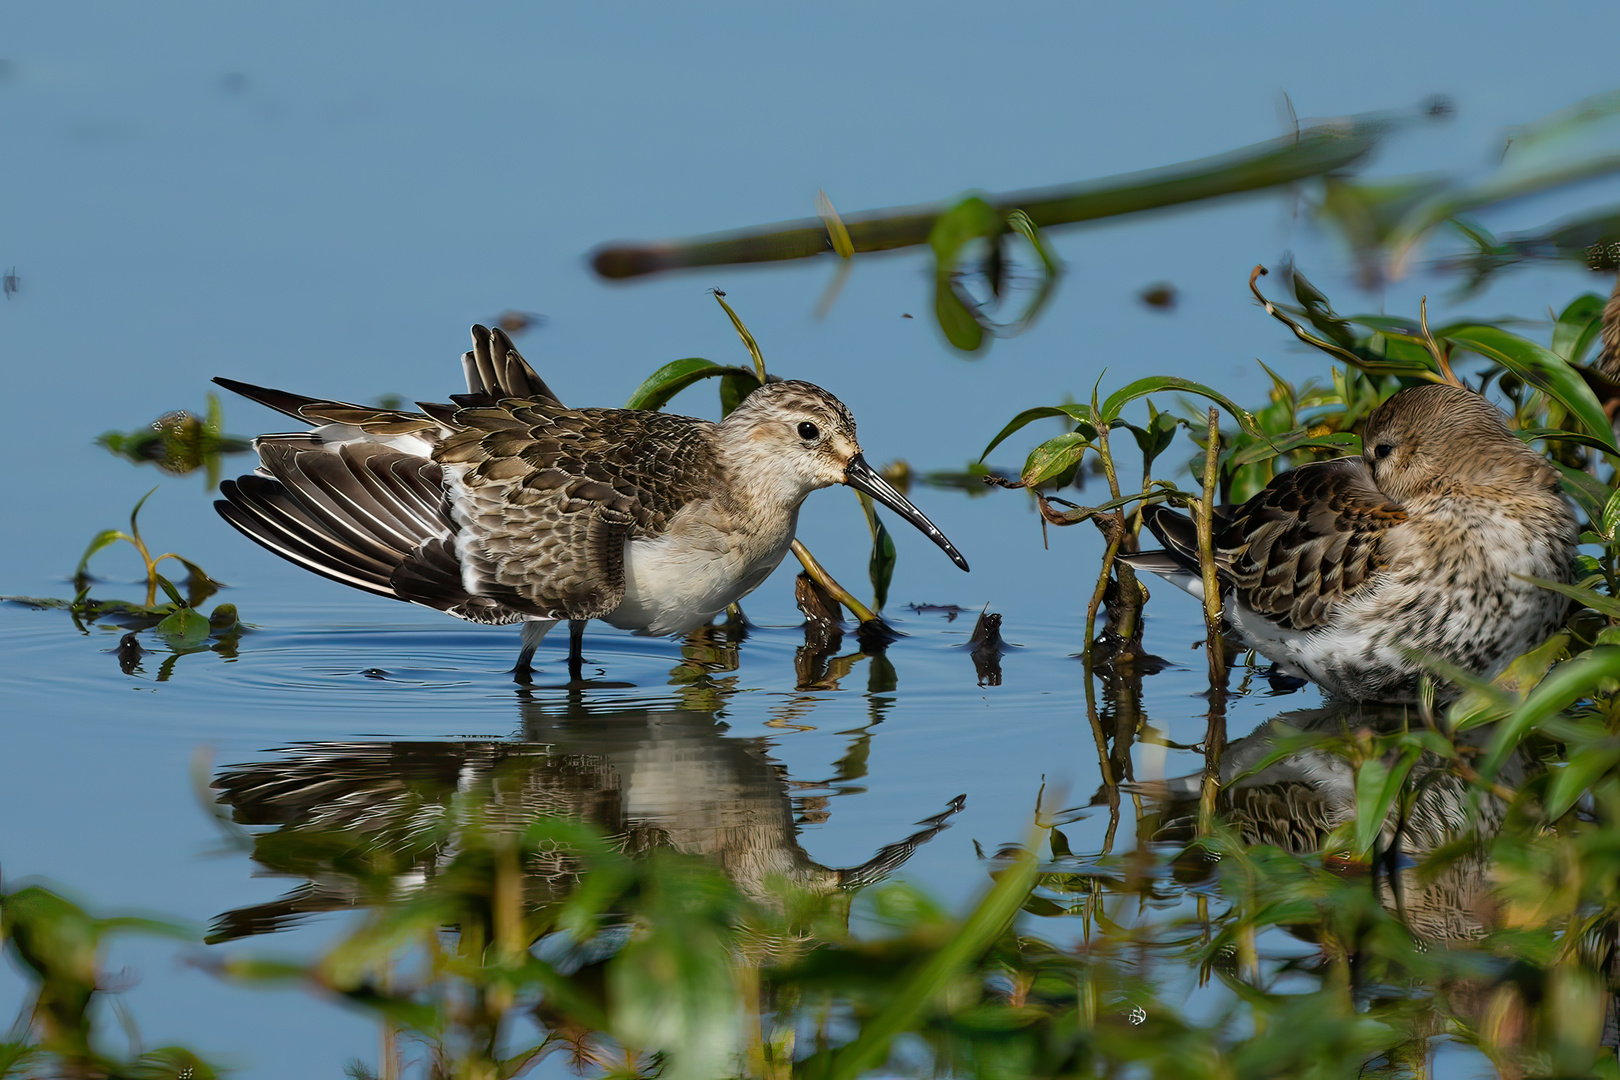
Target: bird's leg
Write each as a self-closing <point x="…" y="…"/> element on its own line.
<point x="576" y="648"/>
<point x="523" y="670"/>
<point x="534" y="631"/>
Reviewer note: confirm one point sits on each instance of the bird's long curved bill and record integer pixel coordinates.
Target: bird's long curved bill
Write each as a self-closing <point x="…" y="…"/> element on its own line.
<point x="860" y="476"/>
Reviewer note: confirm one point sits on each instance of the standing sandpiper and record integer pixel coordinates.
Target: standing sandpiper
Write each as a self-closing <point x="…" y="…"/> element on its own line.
<point x="1352" y="572"/>
<point x="509" y="507"/>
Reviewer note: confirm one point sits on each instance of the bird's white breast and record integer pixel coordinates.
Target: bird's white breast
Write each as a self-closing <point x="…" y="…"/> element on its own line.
<point x="679" y="580"/>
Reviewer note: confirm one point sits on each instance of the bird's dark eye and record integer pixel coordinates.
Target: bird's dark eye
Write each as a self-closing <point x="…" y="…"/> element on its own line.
<point x="808" y="431"/>
<point x="1382" y="450"/>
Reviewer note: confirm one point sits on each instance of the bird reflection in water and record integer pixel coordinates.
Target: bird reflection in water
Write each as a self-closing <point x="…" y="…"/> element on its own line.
<point x="1298" y="801"/>
<point x="364" y="822"/>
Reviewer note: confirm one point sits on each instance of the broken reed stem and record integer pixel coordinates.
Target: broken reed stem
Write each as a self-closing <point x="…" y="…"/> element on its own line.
<point x="1100" y="591"/>
<point x="819" y="573"/>
<point x="1113" y="540"/>
<point x="1116" y="532"/>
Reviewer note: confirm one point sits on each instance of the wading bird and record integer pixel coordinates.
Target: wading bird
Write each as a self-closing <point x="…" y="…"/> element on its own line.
<point x="506" y="506"/>
<point x="1353" y="572"/>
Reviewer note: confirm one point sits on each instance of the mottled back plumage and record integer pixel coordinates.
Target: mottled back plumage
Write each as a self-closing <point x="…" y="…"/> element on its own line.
<point x="1352" y="571"/>
<point x="543" y="498"/>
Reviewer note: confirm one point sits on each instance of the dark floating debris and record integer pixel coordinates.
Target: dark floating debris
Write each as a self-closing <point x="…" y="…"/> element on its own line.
<point x="987" y="648"/>
<point x="129" y="653"/>
<point x="1161" y="296"/>
<point x="12" y="283"/>
<point x="516" y="322"/>
<point x="950" y="611"/>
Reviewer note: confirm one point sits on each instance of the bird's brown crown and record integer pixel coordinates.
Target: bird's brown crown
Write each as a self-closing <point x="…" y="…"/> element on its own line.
<point x="1435" y="439"/>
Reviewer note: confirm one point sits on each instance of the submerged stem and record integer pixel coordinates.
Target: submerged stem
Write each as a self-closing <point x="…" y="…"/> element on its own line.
<point x="830" y="583"/>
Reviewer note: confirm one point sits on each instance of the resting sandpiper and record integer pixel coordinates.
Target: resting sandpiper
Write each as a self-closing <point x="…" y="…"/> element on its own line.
<point x="1352" y="572"/>
<point x="508" y="507"/>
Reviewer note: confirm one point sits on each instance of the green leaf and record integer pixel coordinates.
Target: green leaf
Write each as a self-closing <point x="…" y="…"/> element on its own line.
<point x="962" y="328"/>
<point x="168" y="587"/>
<point x="134" y="527"/>
<point x="747" y="338"/>
<point x="1377" y="788"/>
<point x="1611" y="516"/>
<point x="1054" y="458"/>
<point x="1051" y="270"/>
<point x="1563" y="686"/>
<point x="924" y="982"/>
<point x="672" y="988"/>
<point x="1558" y="435"/>
<point x="183" y="629"/>
<point x="1158" y="384"/>
<point x="1577" y="776"/>
<point x="971" y="219"/>
<point x="1156" y="438"/>
<point x="102" y="539"/>
<point x="1606" y="605"/>
<point x="1587" y="492"/>
<point x="1541" y="368"/>
<point x="1081" y="413"/>
<point x="1578" y="326"/>
<point x="675" y="376"/>
<point x="1299" y="439"/>
<point x="880" y="568"/>
<point x="734" y="386"/>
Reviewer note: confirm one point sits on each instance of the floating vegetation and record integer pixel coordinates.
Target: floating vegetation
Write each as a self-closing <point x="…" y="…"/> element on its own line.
<point x="177" y="621"/>
<point x="179" y="442"/>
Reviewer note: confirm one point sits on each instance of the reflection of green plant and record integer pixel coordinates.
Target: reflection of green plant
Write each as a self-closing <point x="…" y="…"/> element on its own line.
<point x="179" y="442"/>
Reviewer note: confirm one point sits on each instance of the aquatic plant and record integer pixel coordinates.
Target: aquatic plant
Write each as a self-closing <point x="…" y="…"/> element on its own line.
<point x="176" y="622"/>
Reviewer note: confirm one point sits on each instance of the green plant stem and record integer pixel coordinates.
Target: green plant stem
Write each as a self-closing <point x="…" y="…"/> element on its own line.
<point x="1312" y="152"/>
<point x="1214" y="648"/>
<point x="1205" y="521"/>
<point x="830" y="583"/>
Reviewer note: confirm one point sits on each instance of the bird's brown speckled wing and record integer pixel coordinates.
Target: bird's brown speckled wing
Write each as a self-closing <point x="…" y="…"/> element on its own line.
<point x="544" y="499"/>
<point x="1306" y="542"/>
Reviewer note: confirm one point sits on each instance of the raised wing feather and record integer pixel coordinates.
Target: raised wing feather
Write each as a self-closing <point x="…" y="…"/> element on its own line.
<point x="495" y="370"/>
<point x="545" y="497"/>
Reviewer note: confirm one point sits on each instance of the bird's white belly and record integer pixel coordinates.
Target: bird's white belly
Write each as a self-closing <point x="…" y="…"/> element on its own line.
<point x="673" y="585"/>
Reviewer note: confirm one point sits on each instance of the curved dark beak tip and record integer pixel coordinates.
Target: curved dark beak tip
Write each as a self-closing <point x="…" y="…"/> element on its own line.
<point x="860" y="476"/>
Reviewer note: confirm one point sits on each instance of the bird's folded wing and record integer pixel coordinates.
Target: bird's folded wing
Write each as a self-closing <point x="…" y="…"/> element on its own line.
<point x="545" y="498"/>
<point x="1310" y="539"/>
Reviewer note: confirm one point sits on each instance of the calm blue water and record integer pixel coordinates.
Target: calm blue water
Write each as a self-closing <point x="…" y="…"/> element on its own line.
<point x="324" y="200"/>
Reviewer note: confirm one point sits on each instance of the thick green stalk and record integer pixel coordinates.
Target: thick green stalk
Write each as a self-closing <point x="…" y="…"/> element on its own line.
<point x="1322" y="149"/>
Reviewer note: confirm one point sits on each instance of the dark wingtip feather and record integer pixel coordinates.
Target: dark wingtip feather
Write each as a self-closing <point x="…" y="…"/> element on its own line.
<point x="279" y="400"/>
<point x="1176" y="532"/>
<point x="495" y="370"/>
